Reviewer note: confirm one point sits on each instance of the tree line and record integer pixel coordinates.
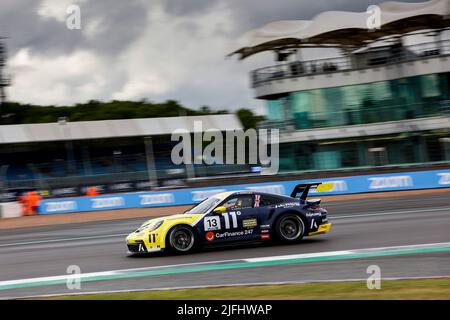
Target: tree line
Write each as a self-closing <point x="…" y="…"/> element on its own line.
<point x="18" y="113"/>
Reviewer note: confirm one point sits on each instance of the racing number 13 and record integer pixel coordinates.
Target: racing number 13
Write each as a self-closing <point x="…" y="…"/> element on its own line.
<point x="212" y="223"/>
<point x="227" y="219"/>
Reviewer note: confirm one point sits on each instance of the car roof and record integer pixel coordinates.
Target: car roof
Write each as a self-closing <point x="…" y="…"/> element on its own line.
<point x="238" y="192"/>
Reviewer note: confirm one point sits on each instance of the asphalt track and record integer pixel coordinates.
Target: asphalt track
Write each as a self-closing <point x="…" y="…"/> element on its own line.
<point x="410" y="222"/>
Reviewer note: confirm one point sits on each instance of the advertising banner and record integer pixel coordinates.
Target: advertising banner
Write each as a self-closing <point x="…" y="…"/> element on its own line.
<point x="344" y="185"/>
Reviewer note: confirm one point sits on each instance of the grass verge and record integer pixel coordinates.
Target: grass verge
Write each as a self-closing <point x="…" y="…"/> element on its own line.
<point x="435" y="289"/>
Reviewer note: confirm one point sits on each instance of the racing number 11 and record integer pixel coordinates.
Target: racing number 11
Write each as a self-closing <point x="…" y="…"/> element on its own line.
<point x="227" y="219"/>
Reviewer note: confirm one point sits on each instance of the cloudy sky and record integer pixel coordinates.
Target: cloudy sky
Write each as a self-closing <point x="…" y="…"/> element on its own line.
<point x="135" y="49"/>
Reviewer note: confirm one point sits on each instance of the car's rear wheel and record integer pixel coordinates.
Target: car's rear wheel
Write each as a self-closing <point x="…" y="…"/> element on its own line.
<point x="290" y="228"/>
<point x="181" y="239"/>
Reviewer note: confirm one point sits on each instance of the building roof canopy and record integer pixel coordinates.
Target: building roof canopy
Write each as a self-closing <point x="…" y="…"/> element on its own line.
<point x="340" y="28"/>
<point x="85" y="130"/>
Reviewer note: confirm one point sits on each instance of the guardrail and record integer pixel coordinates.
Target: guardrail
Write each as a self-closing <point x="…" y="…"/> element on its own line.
<point x="343" y="185"/>
<point x="393" y="55"/>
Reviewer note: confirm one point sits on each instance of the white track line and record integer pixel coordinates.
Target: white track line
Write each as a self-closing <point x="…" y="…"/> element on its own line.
<point x="63" y="240"/>
<point x="346" y="252"/>
<point x="248" y="260"/>
<point x="387" y="213"/>
<point x="221" y="286"/>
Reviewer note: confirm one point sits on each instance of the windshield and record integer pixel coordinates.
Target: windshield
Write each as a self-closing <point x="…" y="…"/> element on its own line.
<point x="205" y="205"/>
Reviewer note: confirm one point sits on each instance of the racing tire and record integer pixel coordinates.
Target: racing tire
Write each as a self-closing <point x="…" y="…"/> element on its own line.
<point x="290" y="228"/>
<point x="181" y="239"/>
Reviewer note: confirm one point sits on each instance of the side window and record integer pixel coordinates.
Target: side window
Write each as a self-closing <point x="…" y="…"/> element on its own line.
<point x="266" y="200"/>
<point x="243" y="201"/>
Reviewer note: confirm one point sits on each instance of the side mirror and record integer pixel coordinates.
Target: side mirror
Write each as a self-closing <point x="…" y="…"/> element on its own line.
<point x="220" y="210"/>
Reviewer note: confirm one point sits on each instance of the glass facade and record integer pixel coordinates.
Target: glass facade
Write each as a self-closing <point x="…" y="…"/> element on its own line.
<point x="392" y="100"/>
<point x="401" y="99"/>
<point x="364" y="152"/>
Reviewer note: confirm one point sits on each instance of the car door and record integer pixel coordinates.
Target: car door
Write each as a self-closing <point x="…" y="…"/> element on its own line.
<point x="266" y="204"/>
<point x="238" y="223"/>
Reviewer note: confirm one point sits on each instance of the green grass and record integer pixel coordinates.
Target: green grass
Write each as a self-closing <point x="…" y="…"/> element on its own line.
<point x="390" y="289"/>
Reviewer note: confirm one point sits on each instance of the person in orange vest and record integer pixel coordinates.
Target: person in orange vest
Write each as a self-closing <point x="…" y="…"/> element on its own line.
<point x="92" y="191"/>
<point x="34" y="199"/>
<point x="27" y="209"/>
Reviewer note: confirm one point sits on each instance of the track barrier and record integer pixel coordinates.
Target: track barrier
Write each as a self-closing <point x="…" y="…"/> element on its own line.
<point x="345" y="185"/>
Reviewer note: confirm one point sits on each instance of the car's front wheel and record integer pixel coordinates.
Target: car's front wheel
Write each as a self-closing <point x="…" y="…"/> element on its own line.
<point x="290" y="228"/>
<point x="181" y="239"/>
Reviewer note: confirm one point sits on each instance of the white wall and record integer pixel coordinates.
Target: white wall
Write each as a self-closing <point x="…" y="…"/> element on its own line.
<point x="10" y="209"/>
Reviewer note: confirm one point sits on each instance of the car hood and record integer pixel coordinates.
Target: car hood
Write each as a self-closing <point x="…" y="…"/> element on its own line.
<point x="181" y="216"/>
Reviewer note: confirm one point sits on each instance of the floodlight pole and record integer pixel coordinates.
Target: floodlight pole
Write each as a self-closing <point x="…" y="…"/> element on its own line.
<point x="4" y="82"/>
<point x="151" y="168"/>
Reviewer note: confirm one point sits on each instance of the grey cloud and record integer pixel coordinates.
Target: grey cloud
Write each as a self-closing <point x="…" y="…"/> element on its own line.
<point x="190" y="7"/>
<point x="123" y="22"/>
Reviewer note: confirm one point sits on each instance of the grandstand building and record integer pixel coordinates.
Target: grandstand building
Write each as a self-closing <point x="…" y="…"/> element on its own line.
<point x="380" y="97"/>
<point x="64" y="158"/>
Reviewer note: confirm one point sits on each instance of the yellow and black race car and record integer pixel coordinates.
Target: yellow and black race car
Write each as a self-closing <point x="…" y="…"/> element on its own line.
<point x="233" y="217"/>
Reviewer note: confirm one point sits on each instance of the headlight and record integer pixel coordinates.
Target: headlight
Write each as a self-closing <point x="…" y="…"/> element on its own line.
<point x="155" y="226"/>
<point x="142" y="227"/>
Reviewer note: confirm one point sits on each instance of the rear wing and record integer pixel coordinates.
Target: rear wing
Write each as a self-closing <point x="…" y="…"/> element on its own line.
<point x="304" y="188"/>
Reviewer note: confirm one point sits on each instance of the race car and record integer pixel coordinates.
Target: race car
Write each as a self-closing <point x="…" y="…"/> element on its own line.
<point x="235" y="217"/>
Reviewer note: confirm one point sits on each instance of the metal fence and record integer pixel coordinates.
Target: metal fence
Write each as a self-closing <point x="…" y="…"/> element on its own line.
<point x="350" y="62"/>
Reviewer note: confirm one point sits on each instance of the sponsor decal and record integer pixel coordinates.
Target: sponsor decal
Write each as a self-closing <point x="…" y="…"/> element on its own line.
<point x="249" y="223"/>
<point x="118" y="187"/>
<point x="338" y="185"/>
<point x="61" y="206"/>
<point x="64" y="191"/>
<point x="141" y="247"/>
<point x="150" y="199"/>
<point x="107" y="202"/>
<point x="234" y="234"/>
<point x="265" y="236"/>
<point x="265" y="226"/>
<point x="9" y="196"/>
<point x="100" y="188"/>
<point x="287" y="204"/>
<point x="143" y="185"/>
<point x="229" y="234"/>
<point x="391" y="182"/>
<point x="265" y="231"/>
<point x="173" y="182"/>
<point x="210" y="236"/>
<point x="444" y="178"/>
<point x="313" y="214"/>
